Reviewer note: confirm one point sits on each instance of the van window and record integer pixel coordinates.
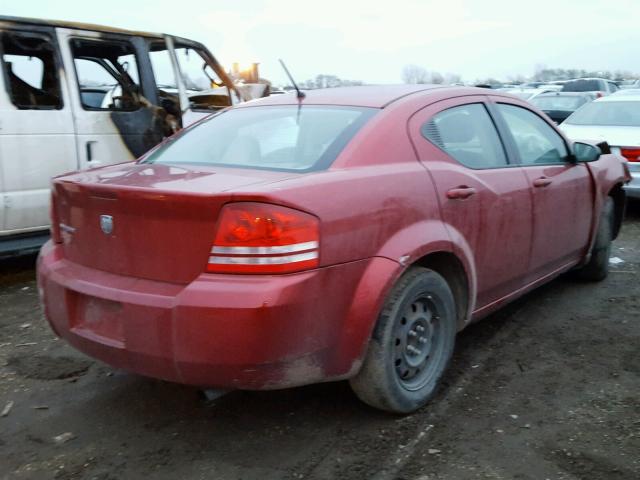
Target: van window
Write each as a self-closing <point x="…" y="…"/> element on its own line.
<point x="31" y="76"/>
<point x="107" y="75"/>
<point x="204" y="88"/>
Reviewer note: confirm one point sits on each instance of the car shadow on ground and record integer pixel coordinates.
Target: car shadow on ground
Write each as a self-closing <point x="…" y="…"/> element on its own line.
<point x="17" y="269"/>
<point x="155" y="405"/>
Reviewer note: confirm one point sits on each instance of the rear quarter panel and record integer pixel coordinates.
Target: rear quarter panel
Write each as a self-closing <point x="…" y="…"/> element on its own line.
<point x="376" y="202"/>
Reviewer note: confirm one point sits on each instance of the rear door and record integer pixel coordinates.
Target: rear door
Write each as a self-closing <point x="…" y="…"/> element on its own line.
<point x="562" y="192"/>
<point x="115" y="103"/>
<point x="485" y="200"/>
<point x="36" y="126"/>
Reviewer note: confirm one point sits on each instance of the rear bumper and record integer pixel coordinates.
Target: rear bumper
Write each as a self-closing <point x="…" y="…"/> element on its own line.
<point x="225" y="331"/>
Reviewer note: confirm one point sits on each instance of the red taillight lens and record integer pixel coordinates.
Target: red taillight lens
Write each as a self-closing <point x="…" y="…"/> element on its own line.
<point x="599" y="94"/>
<point x="631" y="154"/>
<point x="264" y="238"/>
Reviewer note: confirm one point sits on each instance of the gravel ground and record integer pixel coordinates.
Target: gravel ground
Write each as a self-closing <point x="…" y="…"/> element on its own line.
<point x="548" y="388"/>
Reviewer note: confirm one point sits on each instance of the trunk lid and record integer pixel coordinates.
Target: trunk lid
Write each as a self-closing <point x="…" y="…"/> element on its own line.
<point x="147" y="221"/>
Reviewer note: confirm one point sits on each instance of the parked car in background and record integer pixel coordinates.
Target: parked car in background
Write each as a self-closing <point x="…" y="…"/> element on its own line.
<point x="625" y="84"/>
<point x="615" y="119"/>
<point x="627" y="91"/>
<point x="559" y="105"/>
<point x="527" y="93"/>
<point x="349" y="234"/>
<point x="599" y="86"/>
<point x="555" y="85"/>
<point x="77" y="96"/>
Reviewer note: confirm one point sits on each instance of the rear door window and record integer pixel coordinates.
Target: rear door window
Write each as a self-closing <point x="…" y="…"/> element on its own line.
<point x="287" y="138"/>
<point x="107" y="74"/>
<point x="536" y="141"/>
<point x="468" y="134"/>
<point x="582" y="86"/>
<point x="30" y="70"/>
<point x="558" y="102"/>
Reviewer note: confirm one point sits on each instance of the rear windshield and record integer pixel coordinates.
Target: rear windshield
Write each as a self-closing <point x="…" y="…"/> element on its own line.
<point x="559" y="102"/>
<point x="582" y="86"/>
<point x="275" y="138"/>
<point x="607" y="113"/>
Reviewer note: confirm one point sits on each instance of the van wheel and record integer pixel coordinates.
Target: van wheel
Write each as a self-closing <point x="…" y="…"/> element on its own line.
<point x="598" y="266"/>
<point x="411" y="345"/>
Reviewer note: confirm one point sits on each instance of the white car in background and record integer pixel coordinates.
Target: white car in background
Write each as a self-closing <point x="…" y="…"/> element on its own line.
<point x="627" y="91"/>
<point x="615" y="119"/>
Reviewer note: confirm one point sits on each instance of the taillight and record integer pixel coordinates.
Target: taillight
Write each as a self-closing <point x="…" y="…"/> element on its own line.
<point x="264" y="238"/>
<point x="632" y="154"/>
<point x="599" y="94"/>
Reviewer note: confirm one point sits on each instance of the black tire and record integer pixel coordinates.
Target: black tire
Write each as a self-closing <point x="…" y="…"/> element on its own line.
<point x="411" y="345"/>
<point x="597" y="268"/>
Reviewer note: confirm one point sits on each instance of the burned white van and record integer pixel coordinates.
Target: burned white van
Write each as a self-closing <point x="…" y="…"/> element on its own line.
<point x="76" y="96"/>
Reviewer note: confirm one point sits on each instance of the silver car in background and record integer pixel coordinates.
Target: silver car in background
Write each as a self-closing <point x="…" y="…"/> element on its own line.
<point x="615" y="119"/>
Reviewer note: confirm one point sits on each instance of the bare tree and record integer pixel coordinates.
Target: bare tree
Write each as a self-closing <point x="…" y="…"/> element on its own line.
<point x="436" y="77"/>
<point x="451" y="78"/>
<point x="414" y="74"/>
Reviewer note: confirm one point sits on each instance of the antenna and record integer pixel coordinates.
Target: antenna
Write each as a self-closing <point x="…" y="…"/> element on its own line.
<point x="300" y="94"/>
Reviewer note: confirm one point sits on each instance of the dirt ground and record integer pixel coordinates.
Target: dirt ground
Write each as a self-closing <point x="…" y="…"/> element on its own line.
<point x="548" y="388"/>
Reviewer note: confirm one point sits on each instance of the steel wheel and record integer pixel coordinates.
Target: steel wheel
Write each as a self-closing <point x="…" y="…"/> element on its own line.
<point x="411" y="344"/>
<point x="417" y="343"/>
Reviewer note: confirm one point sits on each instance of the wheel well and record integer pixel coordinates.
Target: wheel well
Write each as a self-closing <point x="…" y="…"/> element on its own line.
<point x="451" y="268"/>
<point x="620" y="203"/>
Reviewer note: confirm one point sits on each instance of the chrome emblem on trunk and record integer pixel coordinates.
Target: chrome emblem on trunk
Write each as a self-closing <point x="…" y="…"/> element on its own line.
<point x="106" y="224"/>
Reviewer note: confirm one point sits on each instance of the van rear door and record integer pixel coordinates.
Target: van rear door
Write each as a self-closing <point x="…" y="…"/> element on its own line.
<point x="36" y="125"/>
<point x="117" y="118"/>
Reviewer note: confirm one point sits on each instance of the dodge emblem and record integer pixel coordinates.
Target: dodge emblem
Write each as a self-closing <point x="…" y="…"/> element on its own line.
<point x="106" y="224"/>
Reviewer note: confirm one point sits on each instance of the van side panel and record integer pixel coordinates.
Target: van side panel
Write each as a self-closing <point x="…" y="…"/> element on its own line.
<point x="35" y="144"/>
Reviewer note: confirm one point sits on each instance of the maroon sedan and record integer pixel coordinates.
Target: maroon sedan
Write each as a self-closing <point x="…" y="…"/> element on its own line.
<point x="346" y="235"/>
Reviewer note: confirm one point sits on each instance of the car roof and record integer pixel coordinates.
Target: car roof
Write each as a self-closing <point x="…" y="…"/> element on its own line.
<point x="627" y="92"/>
<point x="566" y="94"/>
<point x="75" y="25"/>
<point x="620" y="98"/>
<point x="375" y="96"/>
<point x="588" y="78"/>
<point x="525" y="89"/>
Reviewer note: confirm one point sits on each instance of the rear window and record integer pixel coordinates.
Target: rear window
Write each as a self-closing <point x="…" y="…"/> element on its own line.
<point x="274" y="138"/>
<point x="583" y="86"/>
<point x="521" y="94"/>
<point x="607" y="113"/>
<point x="559" y="102"/>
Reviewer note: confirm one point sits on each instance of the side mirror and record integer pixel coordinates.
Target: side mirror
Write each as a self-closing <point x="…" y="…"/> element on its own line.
<point x="585" y="152"/>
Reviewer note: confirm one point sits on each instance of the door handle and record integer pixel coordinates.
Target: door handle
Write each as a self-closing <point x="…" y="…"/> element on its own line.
<point x="91" y="162"/>
<point x="542" y="182"/>
<point x="460" y="192"/>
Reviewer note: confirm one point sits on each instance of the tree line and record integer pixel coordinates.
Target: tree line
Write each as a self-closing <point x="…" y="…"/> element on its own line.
<point x="413" y="74"/>
<point x="417" y="74"/>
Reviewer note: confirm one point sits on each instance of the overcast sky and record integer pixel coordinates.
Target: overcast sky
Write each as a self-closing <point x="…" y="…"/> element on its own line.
<point x="371" y="41"/>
